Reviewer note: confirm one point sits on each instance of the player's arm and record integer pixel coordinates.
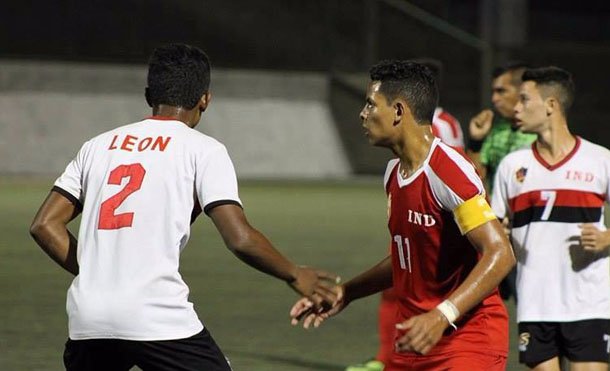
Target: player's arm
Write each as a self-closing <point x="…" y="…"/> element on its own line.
<point x="372" y="281"/>
<point x="254" y="249"/>
<point x="486" y="234"/>
<point x="497" y="259"/>
<point x="50" y="231"/>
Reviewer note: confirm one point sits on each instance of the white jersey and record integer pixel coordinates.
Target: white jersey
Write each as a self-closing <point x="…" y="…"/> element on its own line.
<point x="138" y="186"/>
<point x="557" y="280"/>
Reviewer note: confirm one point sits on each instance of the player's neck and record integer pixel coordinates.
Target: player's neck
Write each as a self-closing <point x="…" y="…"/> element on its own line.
<point x="414" y="149"/>
<point x="189" y="117"/>
<point x="555" y="142"/>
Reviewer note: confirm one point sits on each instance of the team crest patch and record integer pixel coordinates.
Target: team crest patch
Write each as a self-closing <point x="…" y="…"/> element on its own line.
<point x="524" y="340"/>
<point x="520" y="174"/>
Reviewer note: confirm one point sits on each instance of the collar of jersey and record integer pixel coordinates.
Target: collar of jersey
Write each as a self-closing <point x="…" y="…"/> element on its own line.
<point x="402" y="181"/>
<point x="563" y="160"/>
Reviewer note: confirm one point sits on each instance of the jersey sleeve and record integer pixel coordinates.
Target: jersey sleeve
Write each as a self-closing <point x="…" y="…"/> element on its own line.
<point x="458" y="188"/>
<point x="499" y="199"/>
<point x="70" y="183"/>
<point x="215" y="180"/>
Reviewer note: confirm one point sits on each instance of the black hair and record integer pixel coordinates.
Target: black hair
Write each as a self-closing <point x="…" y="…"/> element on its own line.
<point x="410" y="80"/>
<point x="558" y="80"/>
<point x="434" y="65"/>
<point x="516" y="69"/>
<point x="178" y="75"/>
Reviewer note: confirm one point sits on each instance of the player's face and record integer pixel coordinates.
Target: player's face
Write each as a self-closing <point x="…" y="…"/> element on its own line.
<point x="530" y="110"/>
<point x="377" y="116"/>
<point x="505" y="95"/>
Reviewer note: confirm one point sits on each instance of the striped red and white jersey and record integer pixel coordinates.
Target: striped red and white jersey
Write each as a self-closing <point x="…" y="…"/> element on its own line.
<point x="431" y="256"/>
<point x="557" y="280"/>
<point x="447" y="128"/>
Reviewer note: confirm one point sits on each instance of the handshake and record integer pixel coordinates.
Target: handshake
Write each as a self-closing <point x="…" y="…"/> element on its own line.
<point x="322" y="296"/>
<point x="317" y="308"/>
<point x="417" y="334"/>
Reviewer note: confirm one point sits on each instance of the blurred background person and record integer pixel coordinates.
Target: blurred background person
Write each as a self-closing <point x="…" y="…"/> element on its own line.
<point x="494" y="135"/>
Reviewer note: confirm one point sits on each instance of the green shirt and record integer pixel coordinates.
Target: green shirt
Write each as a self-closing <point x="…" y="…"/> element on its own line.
<point x="501" y="140"/>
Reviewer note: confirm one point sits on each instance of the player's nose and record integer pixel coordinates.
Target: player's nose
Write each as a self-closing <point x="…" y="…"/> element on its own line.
<point x="362" y="115"/>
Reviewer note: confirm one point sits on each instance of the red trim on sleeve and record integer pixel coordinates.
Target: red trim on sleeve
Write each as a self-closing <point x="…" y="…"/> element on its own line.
<point x="564" y="197"/>
<point x="451" y="174"/>
<point x="563" y="161"/>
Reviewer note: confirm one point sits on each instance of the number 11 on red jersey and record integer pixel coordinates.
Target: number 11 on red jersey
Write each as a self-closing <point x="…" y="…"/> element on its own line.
<point x="401" y="252"/>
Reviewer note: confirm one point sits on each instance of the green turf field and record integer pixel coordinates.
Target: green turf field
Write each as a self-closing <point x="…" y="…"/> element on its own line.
<point x="339" y="226"/>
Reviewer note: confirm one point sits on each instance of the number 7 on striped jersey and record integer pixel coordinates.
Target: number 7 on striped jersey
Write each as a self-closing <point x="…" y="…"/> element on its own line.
<point x="549" y="197"/>
<point x="401" y="252"/>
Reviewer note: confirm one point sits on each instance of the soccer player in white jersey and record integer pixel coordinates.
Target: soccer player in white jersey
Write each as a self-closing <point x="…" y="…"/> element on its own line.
<point x="139" y="187"/>
<point x="553" y="192"/>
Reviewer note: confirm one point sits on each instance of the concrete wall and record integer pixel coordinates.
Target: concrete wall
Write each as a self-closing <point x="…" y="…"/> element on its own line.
<point x="274" y="124"/>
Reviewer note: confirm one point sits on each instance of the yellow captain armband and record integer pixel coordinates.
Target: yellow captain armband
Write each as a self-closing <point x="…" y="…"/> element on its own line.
<point x="472" y="213"/>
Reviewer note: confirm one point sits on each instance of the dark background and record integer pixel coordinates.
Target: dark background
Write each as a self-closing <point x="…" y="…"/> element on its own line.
<point x="337" y="37"/>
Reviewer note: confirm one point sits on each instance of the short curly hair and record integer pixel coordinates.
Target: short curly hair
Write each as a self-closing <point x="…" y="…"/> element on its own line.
<point x="178" y="75"/>
<point x="410" y="80"/>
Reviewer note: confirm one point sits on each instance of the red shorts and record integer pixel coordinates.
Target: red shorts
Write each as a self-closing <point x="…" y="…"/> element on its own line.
<point x="458" y="361"/>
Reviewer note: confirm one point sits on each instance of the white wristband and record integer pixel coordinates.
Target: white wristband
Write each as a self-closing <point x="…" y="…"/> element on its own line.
<point x="449" y="311"/>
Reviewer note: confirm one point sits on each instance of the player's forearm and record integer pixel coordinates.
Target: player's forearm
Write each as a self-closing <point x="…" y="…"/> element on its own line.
<point x="374" y="280"/>
<point x="496" y="262"/>
<point x="256" y="251"/>
<point x="58" y="243"/>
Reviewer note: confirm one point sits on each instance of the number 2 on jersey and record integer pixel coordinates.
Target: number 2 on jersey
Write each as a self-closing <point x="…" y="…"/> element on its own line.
<point x="401" y="252"/>
<point x="108" y="219"/>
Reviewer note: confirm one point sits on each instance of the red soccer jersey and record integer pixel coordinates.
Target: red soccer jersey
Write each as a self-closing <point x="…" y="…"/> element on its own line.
<point x="431" y="257"/>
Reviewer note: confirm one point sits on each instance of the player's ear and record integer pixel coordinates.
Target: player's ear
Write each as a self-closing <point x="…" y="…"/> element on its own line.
<point x="147" y="96"/>
<point x="205" y="101"/>
<point x="551" y="104"/>
<point x="399" y="112"/>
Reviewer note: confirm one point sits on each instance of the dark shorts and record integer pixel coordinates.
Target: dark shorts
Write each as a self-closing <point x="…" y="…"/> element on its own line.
<point x="198" y="352"/>
<point x="579" y="341"/>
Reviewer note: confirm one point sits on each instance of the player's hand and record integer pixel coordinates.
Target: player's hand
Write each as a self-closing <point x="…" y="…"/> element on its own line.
<point x="592" y="239"/>
<point x="480" y="125"/>
<point x="422" y="332"/>
<point x="310" y="313"/>
<point x="314" y="282"/>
